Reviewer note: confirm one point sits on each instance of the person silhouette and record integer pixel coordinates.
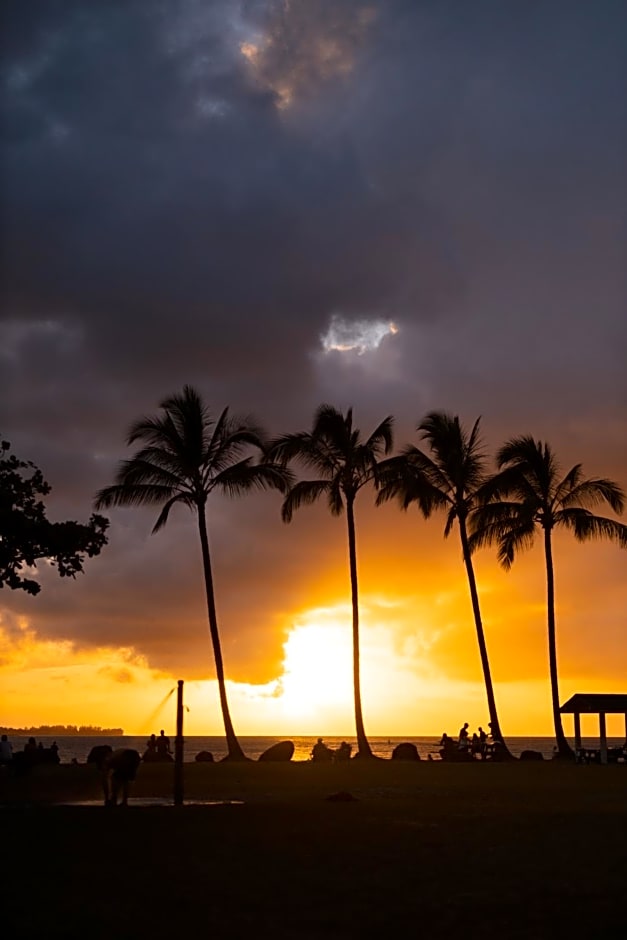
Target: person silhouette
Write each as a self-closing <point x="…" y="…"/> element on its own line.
<point x="321" y="752"/>
<point x="119" y="769"/>
<point x="463" y="735"/>
<point x="343" y="752"/>
<point x="6" y="751"/>
<point x="163" y="744"/>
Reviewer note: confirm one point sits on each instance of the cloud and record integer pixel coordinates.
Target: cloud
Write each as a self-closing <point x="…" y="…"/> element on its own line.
<point x="358" y="336"/>
<point x="165" y="220"/>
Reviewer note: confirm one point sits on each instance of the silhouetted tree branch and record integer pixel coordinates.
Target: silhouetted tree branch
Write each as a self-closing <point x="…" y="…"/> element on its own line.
<point x="27" y="535"/>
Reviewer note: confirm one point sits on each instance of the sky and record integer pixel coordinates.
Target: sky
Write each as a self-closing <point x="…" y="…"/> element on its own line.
<point x="394" y="206"/>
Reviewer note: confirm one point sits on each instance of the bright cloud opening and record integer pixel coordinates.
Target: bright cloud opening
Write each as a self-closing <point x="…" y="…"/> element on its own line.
<point x="359" y="336"/>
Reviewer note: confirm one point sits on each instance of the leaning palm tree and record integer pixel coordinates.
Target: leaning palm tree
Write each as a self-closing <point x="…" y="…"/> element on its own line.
<point x="447" y="480"/>
<point x="185" y="455"/>
<point x="345" y="463"/>
<point x="530" y="495"/>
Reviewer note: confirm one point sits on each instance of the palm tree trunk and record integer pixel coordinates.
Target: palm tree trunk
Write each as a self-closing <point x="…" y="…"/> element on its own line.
<point x="563" y="747"/>
<point x="363" y="747"/>
<point x="483" y="650"/>
<point x="235" y="751"/>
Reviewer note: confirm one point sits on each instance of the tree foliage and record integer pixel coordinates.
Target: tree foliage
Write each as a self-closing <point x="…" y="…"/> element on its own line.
<point x="27" y="536"/>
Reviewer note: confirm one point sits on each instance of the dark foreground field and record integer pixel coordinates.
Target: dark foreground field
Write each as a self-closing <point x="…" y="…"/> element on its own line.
<point x="427" y="850"/>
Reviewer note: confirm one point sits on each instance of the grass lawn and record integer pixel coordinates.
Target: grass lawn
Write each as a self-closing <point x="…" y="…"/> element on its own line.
<point x="428" y="850"/>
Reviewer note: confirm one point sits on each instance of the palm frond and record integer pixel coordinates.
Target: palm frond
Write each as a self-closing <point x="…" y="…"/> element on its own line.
<point x="458" y="454"/>
<point x="331" y="425"/>
<point x="406" y="480"/>
<point x="586" y="526"/>
<point x="362" y="467"/>
<point x="150" y="465"/>
<point x="302" y="493"/>
<point x="382" y="438"/>
<point x="165" y="512"/>
<point x="535" y="460"/>
<point x="489" y="524"/>
<point x="442" y="431"/>
<point x="450" y="521"/>
<point x="190" y="418"/>
<point x="141" y="494"/>
<point x="334" y="497"/>
<point x="244" y="476"/>
<point x="594" y="492"/>
<point x="156" y="431"/>
<point x="303" y="448"/>
<point x="572" y="479"/>
<point x="516" y="539"/>
<point x="423" y="464"/>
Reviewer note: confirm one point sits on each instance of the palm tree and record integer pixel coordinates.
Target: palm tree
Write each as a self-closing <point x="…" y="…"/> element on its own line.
<point x="334" y="449"/>
<point x="186" y="455"/>
<point x="529" y="495"/>
<point x="448" y="480"/>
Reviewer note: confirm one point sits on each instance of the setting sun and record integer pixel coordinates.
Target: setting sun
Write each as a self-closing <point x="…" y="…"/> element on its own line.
<point x="317" y="668"/>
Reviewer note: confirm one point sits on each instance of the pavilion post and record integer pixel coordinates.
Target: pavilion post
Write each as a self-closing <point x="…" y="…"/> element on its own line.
<point x="625" y="729"/>
<point x="577" y="732"/>
<point x="178" y="747"/>
<point x="603" y="736"/>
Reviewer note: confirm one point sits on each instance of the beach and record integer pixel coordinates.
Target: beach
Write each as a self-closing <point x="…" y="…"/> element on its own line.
<point x="525" y="850"/>
<point x="77" y="747"/>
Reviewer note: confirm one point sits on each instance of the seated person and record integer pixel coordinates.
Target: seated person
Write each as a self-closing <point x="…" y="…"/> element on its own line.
<point x="343" y="752"/>
<point x="320" y="752"/>
<point x="448" y="746"/>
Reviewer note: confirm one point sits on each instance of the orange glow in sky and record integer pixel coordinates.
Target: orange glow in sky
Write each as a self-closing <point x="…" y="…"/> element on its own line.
<point x="412" y="684"/>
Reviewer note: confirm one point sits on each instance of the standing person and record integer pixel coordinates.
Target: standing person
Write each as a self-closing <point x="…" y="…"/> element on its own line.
<point x="6" y="750"/>
<point x="463" y="736"/>
<point x="163" y="744"/>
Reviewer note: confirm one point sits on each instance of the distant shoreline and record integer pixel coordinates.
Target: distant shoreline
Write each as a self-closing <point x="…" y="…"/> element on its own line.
<point x="65" y="731"/>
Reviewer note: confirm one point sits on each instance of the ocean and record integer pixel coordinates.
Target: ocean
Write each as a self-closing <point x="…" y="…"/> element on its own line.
<point x="77" y="747"/>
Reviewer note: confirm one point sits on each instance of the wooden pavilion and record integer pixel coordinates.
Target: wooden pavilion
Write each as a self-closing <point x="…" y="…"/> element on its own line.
<point x="600" y="704"/>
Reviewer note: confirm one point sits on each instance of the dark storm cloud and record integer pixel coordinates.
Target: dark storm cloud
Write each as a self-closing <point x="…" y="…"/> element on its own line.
<point x="190" y="190"/>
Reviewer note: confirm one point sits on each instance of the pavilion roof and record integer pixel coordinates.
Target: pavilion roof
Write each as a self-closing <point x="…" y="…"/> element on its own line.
<point x="595" y="703"/>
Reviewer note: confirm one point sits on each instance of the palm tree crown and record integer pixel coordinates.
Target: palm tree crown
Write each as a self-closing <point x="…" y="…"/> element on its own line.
<point x="335" y="450"/>
<point x="540" y="497"/>
<point x="186" y="455"/>
<point x="344" y="463"/>
<point x="448" y="479"/>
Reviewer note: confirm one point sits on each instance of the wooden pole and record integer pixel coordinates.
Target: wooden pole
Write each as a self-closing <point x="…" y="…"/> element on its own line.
<point x="577" y="732"/>
<point x="178" y="747"/>
<point x="603" y="735"/>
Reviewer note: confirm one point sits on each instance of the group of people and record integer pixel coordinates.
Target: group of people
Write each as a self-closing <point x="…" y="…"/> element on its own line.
<point x="467" y="746"/>
<point x="33" y="753"/>
<point x="158" y="748"/>
<point x="321" y="752"/>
